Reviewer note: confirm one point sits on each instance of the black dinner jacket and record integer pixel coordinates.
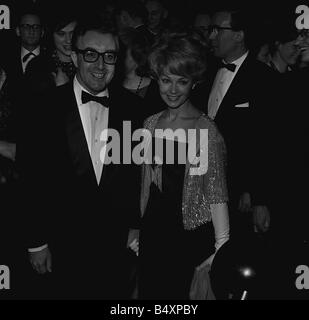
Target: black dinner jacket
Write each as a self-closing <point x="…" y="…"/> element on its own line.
<point x="14" y="70"/>
<point x="58" y="181"/>
<point x="244" y="128"/>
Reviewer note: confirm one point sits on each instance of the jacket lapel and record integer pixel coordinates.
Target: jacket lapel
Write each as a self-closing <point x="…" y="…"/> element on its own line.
<point x="76" y="139"/>
<point x="115" y="123"/>
<point x="236" y="91"/>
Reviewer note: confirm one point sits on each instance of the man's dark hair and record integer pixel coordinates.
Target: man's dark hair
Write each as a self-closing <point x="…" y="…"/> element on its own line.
<point x="281" y="32"/>
<point x="135" y="8"/>
<point x="140" y="49"/>
<point x="241" y="20"/>
<point x="163" y="3"/>
<point x="29" y="10"/>
<point x="92" y="23"/>
<point x="61" y="20"/>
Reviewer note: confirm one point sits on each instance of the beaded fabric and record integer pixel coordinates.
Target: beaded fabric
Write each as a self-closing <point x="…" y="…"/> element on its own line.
<point x="201" y="189"/>
<point x="67" y="67"/>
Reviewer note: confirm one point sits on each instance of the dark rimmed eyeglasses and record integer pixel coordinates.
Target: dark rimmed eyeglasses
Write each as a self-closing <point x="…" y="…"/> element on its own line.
<point x="216" y="29"/>
<point x="35" y="27"/>
<point x="91" y="55"/>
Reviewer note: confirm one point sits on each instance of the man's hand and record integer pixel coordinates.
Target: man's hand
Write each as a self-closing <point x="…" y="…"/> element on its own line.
<point x="2" y="77"/>
<point x="245" y="202"/>
<point x="261" y="218"/>
<point x="133" y="240"/>
<point x="41" y="261"/>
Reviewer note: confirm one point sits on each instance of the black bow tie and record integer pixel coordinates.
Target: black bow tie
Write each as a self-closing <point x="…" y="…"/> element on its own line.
<point x="228" y="66"/>
<point x="27" y="56"/>
<point x="86" y="97"/>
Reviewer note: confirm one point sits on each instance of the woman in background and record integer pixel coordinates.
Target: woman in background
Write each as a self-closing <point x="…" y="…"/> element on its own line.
<point x="56" y="67"/>
<point x="137" y="73"/>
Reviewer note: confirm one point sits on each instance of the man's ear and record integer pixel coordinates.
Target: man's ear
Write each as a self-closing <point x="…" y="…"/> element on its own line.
<point x="125" y="17"/>
<point x="239" y="36"/>
<point x="74" y="58"/>
<point x="278" y="45"/>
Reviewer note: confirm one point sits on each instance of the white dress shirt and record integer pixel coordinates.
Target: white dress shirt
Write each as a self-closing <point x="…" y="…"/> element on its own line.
<point x="221" y="84"/>
<point x="94" y="118"/>
<point x="23" y="52"/>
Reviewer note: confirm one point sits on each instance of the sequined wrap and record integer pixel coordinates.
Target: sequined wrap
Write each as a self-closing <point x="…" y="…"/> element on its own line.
<point x="206" y="186"/>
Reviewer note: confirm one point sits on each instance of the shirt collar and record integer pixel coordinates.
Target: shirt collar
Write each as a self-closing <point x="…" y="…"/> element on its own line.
<point x="139" y="25"/>
<point x="24" y="51"/>
<point x="238" y="62"/>
<point x="78" y="88"/>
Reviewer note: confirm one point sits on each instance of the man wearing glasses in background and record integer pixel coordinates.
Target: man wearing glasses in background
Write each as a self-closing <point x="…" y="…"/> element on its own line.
<point x="22" y="49"/>
<point x="29" y="33"/>
<point x="82" y="207"/>
<point x="239" y="100"/>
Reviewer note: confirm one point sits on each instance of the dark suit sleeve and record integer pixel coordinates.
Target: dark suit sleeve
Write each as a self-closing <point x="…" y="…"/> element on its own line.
<point x="33" y="156"/>
<point x="262" y="148"/>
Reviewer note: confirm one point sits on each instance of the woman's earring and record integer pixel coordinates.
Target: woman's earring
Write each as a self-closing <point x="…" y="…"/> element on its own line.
<point x="193" y="86"/>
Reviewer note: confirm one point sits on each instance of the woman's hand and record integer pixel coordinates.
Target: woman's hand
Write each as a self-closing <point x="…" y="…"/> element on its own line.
<point x="245" y="202"/>
<point x="261" y="218"/>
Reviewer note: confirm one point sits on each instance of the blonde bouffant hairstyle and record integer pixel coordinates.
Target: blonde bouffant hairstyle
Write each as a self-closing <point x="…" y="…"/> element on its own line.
<point x="179" y="54"/>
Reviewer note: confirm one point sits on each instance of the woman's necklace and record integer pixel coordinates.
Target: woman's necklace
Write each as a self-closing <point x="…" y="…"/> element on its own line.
<point x="140" y="82"/>
<point x="67" y="67"/>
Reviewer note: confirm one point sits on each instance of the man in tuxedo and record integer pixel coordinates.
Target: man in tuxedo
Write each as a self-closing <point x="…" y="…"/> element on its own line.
<point x="238" y="100"/>
<point x="81" y="205"/>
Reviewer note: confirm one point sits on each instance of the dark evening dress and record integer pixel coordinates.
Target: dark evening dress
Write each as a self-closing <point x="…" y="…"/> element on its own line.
<point x="168" y="253"/>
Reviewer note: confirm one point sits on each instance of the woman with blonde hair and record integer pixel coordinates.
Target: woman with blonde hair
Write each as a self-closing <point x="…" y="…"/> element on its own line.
<point x="184" y="201"/>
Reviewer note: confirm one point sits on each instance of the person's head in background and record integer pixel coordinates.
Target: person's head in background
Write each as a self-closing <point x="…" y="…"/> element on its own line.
<point x="263" y="53"/>
<point x="177" y="63"/>
<point x="303" y="39"/>
<point x="284" y="47"/>
<point x="61" y="32"/>
<point x="131" y="14"/>
<point x="30" y="29"/>
<point x="95" y="49"/>
<point x="157" y="14"/>
<point x="201" y="23"/>
<point x="136" y="56"/>
<point x="229" y="34"/>
<point x="110" y="7"/>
